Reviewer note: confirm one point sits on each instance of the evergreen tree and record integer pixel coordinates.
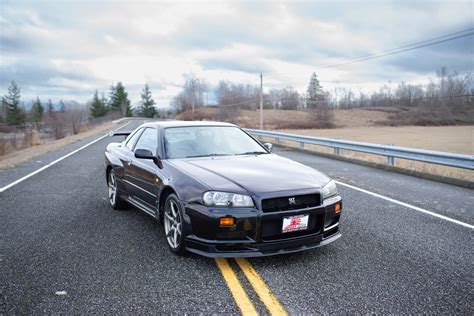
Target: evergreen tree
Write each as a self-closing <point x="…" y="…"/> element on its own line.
<point x="315" y="92"/>
<point x="147" y="109"/>
<point x="15" y="115"/>
<point x="110" y="106"/>
<point x="98" y="107"/>
<point x="3" y="110"/>
<point x="50" y="109"/>
<point x="119" y="100"/>
<point x="62" y="106"/>
<point x="37" y="111"/>
<point x="104" y="101"/>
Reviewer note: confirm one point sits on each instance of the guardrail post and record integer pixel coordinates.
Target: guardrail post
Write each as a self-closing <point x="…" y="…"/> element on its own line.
<point x="301" y="145"/>
<point x="390" y="159"/>
<point x="277" y="140"/>
<point x="336" y="151"/>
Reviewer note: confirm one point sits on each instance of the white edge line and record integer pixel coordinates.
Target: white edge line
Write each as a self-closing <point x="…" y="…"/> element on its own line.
<point x="8" y="186"/>
<point x="416" y="208"/>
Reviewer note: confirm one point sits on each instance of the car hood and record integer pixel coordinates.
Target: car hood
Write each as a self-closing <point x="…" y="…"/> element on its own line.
<point x="255" y="173"/>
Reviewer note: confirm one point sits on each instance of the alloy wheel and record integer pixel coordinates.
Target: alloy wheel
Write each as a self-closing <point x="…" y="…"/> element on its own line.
<point x="112" y="188"/>
<point x="173" y="224"/>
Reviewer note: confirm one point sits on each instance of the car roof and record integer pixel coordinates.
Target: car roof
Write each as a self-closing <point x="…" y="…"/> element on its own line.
<point x="167" y="124"/>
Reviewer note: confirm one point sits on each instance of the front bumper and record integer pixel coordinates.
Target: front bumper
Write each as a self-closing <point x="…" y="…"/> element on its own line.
<point x="257" y="233"/>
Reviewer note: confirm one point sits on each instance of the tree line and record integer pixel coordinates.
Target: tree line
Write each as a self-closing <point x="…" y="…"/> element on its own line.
<point x="449" y="89"/>
<point x="195" y="91"/>
<point x="14" y="113"/>
<point x="118" y="101"/>
<point x="452" y="90"/>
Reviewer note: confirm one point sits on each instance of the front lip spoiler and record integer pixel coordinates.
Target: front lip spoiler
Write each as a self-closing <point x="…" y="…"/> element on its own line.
<point x="250" y="254"/>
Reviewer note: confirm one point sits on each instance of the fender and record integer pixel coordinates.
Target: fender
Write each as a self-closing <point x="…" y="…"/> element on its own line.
<point x="112" y="160"/>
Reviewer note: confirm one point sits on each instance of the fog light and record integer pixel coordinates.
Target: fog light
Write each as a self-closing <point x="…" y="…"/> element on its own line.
<point x="338" y="207"/>
<point x="226" y="221"/>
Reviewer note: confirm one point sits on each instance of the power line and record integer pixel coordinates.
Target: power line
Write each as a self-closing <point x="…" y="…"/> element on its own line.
<point x="394" y="51"/>
<point x="416" y="43"/>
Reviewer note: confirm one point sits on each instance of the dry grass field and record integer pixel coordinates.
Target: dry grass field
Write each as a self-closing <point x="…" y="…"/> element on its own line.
<point x="455" y="139"/>
<point x="280" y="119"/>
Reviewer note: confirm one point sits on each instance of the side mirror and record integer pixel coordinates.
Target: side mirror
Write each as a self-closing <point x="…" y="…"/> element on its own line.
<point x="268" y="146"/>
<point x="147" y="154"/>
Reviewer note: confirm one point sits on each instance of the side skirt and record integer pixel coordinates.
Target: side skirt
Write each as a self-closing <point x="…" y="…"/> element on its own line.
<point x="141" y="207"/>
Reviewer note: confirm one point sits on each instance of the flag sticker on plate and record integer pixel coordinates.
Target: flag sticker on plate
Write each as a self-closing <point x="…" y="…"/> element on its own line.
<point x="295" y="223"/>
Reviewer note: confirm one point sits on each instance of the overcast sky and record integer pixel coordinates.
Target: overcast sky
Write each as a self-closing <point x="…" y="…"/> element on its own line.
<point x="67" y="49"/>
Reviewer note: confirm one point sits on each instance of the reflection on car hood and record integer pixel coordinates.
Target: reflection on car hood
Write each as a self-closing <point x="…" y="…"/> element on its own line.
<point x="256" y="174"/>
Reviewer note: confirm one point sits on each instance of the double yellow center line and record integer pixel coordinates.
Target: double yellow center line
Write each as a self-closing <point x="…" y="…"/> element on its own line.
<point x="240" y="296"/>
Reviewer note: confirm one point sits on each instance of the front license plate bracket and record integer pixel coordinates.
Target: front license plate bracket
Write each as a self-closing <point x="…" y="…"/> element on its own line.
<point x="295" y="223"/>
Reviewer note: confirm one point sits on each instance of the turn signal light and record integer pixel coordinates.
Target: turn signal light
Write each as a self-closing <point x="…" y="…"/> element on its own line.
<point x="338" y="207"/>
<point x="226" y="221"/>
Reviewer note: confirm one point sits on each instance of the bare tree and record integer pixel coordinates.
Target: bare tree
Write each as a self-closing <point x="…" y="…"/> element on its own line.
<point x="192" y="93"/>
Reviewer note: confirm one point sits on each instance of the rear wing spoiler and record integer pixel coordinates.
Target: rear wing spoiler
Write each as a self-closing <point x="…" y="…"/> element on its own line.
<point x="119" y="133"/>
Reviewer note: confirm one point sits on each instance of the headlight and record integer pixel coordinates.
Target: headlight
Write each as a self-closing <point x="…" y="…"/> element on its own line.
<point x="214" y="198"/>
<point x="329" y="190"/>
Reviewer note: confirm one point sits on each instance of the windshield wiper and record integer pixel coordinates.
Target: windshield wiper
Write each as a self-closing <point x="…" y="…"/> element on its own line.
<point x="252" y="153"/>
<point x="207" y="155"/>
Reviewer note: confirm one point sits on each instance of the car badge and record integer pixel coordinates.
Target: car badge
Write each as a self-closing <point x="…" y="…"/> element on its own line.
<point x="292" y="201"/>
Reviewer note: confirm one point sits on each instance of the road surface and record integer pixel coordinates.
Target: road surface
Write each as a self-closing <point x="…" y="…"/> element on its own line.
<point x="64" y="250"/>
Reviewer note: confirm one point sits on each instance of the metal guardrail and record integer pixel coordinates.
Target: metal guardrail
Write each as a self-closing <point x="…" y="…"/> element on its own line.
<point x="391" y="152"/>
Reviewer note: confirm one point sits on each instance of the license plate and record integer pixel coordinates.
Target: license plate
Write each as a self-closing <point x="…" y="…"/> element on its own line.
<point x="295" y="223"/>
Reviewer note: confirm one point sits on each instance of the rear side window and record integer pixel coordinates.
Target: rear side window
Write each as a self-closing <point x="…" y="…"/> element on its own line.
<point x="133" y="139"/>
<point x="148" y="140"/>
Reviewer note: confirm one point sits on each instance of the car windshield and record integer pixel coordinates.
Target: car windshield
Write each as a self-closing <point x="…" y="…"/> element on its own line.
<point x="206" y="141"/>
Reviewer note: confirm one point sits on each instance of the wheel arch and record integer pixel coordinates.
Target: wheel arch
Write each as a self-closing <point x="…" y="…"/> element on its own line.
<point x="107" y="171"/>
<point x="165" y="192"/>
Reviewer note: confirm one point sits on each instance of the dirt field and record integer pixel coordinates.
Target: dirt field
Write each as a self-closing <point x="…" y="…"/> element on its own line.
<point x="18" y="157"/>
<point x="455" y="139"/>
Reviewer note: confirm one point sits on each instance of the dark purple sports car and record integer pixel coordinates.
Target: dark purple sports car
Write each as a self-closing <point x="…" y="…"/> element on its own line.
<point x="219" y="192"/>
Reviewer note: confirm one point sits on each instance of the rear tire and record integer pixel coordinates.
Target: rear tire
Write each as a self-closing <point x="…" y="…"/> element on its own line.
<point x="115" y="201"/>
<point x="174" y="225"/>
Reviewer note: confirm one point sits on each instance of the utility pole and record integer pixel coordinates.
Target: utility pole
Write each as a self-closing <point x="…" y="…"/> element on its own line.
<point x="261" y="101"/>
<point x="193" y="94"/>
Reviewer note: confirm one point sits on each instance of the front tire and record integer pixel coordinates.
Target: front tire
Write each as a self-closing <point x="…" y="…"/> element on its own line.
<point x="115" y="201"/>
<point x="174" y="225"/>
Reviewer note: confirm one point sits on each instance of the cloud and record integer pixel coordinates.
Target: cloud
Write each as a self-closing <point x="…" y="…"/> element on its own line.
<point x="454" y="55"/>
<point x="33" y="72"/>
<point x="233" y="64"/>
<point x="73" y="48"/>
<point x="49" y="80"/>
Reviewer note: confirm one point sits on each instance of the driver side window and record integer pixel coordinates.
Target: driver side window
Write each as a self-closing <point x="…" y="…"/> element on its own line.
<point x="148" y="140"/>
<point x="133" y="139"/>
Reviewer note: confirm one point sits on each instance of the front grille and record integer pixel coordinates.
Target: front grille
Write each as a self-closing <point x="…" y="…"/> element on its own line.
<point x="284" y="204"/>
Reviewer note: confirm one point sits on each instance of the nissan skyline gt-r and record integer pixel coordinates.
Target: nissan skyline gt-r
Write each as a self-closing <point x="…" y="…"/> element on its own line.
<point x="219" y="192"/>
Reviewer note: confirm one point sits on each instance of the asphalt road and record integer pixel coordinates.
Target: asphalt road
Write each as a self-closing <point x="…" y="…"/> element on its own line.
<point x="59" y="234"/>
